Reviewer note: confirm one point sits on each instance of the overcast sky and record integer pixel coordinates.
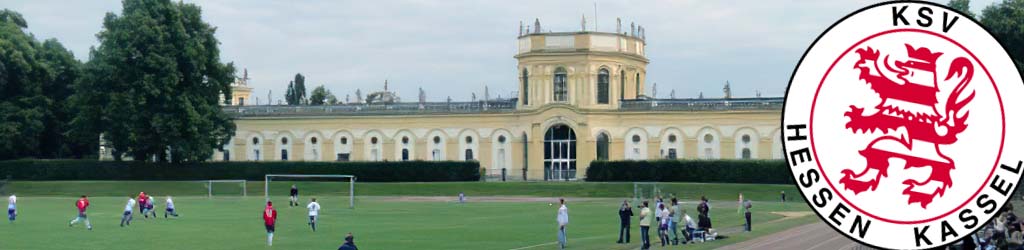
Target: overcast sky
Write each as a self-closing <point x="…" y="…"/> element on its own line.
<point x="456" y="47"/>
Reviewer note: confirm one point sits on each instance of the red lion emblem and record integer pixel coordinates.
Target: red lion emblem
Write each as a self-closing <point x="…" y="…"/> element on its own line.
<point x="910" y="102"/>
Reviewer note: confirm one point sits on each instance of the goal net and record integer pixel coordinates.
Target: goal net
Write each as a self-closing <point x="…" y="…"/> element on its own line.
<point x="225" y="187"/>
<point x="646" y="191"/>
<point x="311" y="185"/>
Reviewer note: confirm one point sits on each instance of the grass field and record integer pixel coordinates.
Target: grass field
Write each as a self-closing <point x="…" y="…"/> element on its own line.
<point x="383" y="219"/>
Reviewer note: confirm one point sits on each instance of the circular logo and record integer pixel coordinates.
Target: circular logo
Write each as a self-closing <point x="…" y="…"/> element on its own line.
<point x="899" y="122"/>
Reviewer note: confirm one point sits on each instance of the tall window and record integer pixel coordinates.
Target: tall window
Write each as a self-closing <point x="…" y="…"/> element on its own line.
<point x="227" y="155"/>
<point x="602" y="87"/>
<point x="469" y="154"/>
<point x="560" y="87"/>
<point x="405" y="154"/>
<point x="622" y="85"/>
<point x="637" y="85"/>
<point x="284" y="154"/>
<point x="526" y="88"/>
<point x="602" y="147"/>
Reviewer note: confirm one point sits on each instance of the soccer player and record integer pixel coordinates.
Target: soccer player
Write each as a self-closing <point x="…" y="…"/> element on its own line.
<point x="142" y="204"/>
<point x="314" y="213"/>
<point x="563" y="219"/>
<point x="126" y="218"/>
<point x="150" y="203"/>
<point x="82" y="204"/>
<point x="12" y="208"/>
<point x="294" y="196"/>
<point x="170" y="208"/>
<point x="269" y="218"/>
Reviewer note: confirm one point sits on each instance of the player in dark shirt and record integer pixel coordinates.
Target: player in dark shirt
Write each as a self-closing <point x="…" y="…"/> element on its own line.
<point x="294" y="200"/>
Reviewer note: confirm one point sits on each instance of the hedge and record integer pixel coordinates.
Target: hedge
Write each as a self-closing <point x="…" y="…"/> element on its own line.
<point x="721" y="171"/>
<point x="412" y="171"/>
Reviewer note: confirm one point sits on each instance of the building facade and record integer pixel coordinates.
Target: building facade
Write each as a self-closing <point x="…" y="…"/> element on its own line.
<point x="581" y="99"/>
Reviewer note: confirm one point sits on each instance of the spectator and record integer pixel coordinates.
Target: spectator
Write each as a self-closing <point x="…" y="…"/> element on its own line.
<point x="645" y="227"/>
<point x="703" y="219"/>
<point x="663" y="213"/>
<point x="746" y="214"/>
<point x="783" y="193"/>
<point x="350" y="243"/>
<point x="676" y="216"/>
<point x="690" y="227"/>
<point x="625" y="214"/>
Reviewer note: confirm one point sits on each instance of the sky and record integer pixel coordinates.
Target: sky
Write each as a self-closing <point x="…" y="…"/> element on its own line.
<point x="457" y="47"/>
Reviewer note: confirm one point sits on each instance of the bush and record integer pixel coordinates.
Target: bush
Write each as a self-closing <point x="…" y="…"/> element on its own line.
<point x="723" y="171"/>
<point x="412" y="171"/>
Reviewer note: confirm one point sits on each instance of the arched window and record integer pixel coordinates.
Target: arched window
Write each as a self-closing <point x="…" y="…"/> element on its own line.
<point x="405" y="154"/>
<point x="284" y="154"/>
<point x="526" y="88"/>
<point x="469" y="154"/>
<point x="622" y="85"/>
<point x="602" y="87"/>
<point x="602" y="147"/>
<point x="561" y="88"/>
<point x="638" y="85"/>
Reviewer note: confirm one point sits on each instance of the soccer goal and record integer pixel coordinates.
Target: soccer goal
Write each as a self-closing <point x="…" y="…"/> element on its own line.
<point x="646" y="191"/>
<point x="320" y="178"/>
<point x="222" y="185"/>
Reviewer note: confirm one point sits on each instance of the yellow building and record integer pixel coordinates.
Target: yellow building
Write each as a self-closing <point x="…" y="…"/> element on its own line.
<point x="580" y="99"/>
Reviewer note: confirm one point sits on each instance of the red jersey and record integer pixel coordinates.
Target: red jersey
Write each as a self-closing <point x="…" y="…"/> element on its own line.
<point x="142" y="198"/>
<point x="269" y="216"/>
<point x="82" y="204"/>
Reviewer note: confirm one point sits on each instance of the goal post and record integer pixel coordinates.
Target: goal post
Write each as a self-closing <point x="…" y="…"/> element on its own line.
<point x="645" y="191"/>
<point x="210" y="184"/>
<point x="351" y="183"/>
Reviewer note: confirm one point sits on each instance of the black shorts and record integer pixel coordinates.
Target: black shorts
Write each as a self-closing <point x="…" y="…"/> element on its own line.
<point x="270" y="228"/>
<point x="127" y="213"/>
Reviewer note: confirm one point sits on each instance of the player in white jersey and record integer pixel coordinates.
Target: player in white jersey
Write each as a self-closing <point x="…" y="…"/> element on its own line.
<point x="170" y="208"/>
<point x="314" y="213"/>
<point x="126" y="218"/>
<point x="12" y="207"/>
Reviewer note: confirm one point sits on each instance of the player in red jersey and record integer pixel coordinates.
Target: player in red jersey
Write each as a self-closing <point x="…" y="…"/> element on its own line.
<point x="82" y="204"/>
<point x="269" y="218"/>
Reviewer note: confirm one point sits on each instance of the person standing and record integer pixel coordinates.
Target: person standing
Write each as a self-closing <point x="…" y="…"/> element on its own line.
<point x="783" y="193"/>
<point x="269" y="218"/>
<point x="664" y="214"/>
<point x="746" y="213"/>
<point x="126" y="217"/>
<point x="625" y="214"/>
<point x="563" y="220"/>
<point x="350" y="243"/>
<point x="673" y="224"/>
<point x="12" y="208"/>
<point x="293" y="196"/>
<point x="645" y="227"/>
<point x="170" y="208"/>
<point x="314" y="213"/>
<point x="142" y="204"/>
<point x="82" y="204"/>
<point x="703" y="218"/>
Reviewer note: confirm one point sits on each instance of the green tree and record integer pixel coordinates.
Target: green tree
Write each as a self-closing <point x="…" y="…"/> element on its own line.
<point x="322" y="96"/>
<point x="289" y="95"/>
<point x="300" y="89"/>
<point x="153" y="85"/>
<point x="22" y="103"/>
<point x="963" y="6"/>
<point x="62" y="71"/>
<point x="1006" y="22"/>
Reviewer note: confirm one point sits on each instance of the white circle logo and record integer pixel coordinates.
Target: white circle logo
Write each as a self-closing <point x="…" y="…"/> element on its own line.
<point x="899" y="125"/>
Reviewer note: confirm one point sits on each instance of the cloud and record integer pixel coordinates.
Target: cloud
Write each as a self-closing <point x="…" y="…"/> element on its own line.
<point x="454" y="48"/>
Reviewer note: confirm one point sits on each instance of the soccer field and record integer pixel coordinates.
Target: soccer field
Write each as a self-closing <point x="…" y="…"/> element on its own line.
<point x="378" y="222"/>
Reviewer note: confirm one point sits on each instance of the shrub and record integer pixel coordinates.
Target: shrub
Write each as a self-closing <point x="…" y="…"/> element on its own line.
<point x="722" y="171"/>
<point x="412" y="171"/>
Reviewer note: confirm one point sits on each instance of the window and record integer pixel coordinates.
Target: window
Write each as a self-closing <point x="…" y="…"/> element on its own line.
<point x="344" y="141"/>
<point x="469" y="154"/>
<point x="241" y="101"/>
<point x="437" y="139"/>
<point x="255" y="141"/>
<point x="636" y="138"/>
<point x="561" y="88"/>
<point x="312" y="140"/>
<point x="671" y="154"/>
<point x="435" y="155"/>
<point x="672" y="138"/>
<point x="746" y="139"/>
<point x="284" y="154"/>
<point x="227" y="155"/>
<point x="469" y="139"/>
<point x="638" y="85"/>
<point x="501" y="139"/>
<point x="284" y="140"/>
<point x="405" y="154"/>
<point x="708" y="138"/>
<point x="602" y="87"/>
<point x="622" y="85"/>
<point x="602" y="147"/>
<point x="343" y="157"/>
<point x="373" y="140"/>
<point x="256" y="153"/>
<point x="405" y="140"/>
<point x="746" y="153"/>
<point x="526" y="88"/>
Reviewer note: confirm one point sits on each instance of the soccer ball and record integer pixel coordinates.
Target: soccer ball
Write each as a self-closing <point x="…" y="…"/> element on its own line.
<point x="549" y="204"/>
